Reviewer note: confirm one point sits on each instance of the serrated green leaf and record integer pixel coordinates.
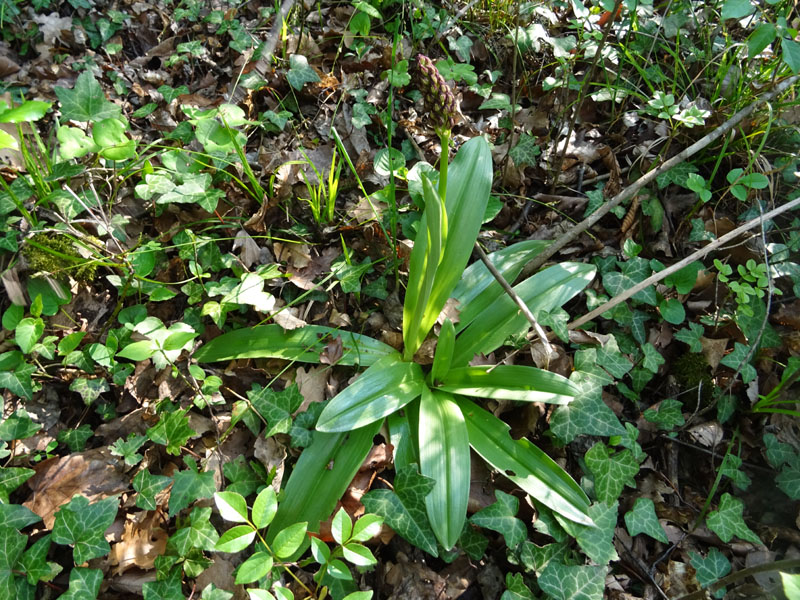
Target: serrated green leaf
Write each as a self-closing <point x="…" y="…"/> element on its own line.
<point x="84" y="525"/>
<point x="727" y="521"/>
<point x="404" y="508"/>
<point x="642" y="519"/>
<point x="611" y="471"/>
<point x="500" y="517"/>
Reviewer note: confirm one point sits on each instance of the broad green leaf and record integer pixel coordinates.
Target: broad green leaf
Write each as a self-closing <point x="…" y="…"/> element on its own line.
<point x="524" y="464"/>
<point x="199" y="533"/>
<point x="562" y="582"/>
<point x="544" y="291"/>
<point x="74" y="143"/>
<point x="385" y="387"/>
<point x="736" y="9"/>
<point x="17" y="516"/>
<point x="18" y="381"/>
<point x="251" y="291"/>
<point x="110" y="136"/>
<point x="366" y="528"/>
<point x="212" y="592"/>
<point x="18" y="426"/>
<point x="11" y="478"/>
<point x="308" y="344"/>
<point x="500" y="517"/>
<point x="264" y="507"/>
<point x="321" y="476"/>
<point x="84" y="584"/>
<point x="232" y="506"/>
<point x="86" y="101"/>
<point x="148" y="485"/>
<point x="667" y="416"/>
<point x="510" y="382"/>
<point x="288" y="540"/>
<point x="516" y="588"/>
<point x="254" y="568"/>
<point x="642" y="519"/>
<point x="236" y="539"/>
<point x="596" y="542"/>
<point x="611" y="471"/>
<point x="444" y="457"/>
<point x="727" y="521"/>
<point x="341" y="526"/>
<point x="711" y="568"/>
<point x="190" y="485"/>
<point x="84" y="526"/>
<point x="791" y="54"/>
<point x="27" y="333"/>
<point x="791" y="586"/>
<point x="172" y="431"/>
<point x="358" y="555"/>
<point x="444" y="351"/>
<point x="404" y="508"/>
<point x="367" y="595"/>
<point x="34" y="561"/>
<point x="30" y="110"/>
<point x="423" y="266"/>
<point x="300" y="72"/>
<point x="138" y="351"/>
<point x="789" y="480"/>
<point x="12" y="543"/>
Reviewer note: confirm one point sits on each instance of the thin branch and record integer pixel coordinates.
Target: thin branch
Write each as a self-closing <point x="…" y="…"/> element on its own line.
<point x="647" y="178"/>
<point x="548" y="349"/>
<point x="656" y="277"/>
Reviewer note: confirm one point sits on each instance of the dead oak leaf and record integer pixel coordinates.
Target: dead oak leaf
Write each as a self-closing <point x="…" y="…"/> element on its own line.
<point x="142" y="541"/>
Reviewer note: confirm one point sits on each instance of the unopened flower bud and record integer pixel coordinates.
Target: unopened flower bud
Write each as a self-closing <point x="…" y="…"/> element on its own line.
<point x="437" y="95"/>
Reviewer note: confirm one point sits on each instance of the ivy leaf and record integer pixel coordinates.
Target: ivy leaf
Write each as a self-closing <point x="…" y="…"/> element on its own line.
<point x="75" y="439"/>
<point x="199" y="533"/>
<point x="148" y="485"/>
<point x="275" y="407"/>
<point x="404" y="508"/>
<point x="169" y="589"/>
<point x="789" y="481"/>
<point x="516" y="588"/>
<point x="587" y="414"/>
<point x="778" y="453"/>
<point x="398" y="75"/>
<point x="727" y="521"/>
<point x="86" y="101"/>
<point x="562" y="582"/>
<point x="129" y="449"/>
<point x="12" y="545"/>
<point x="536" y="558"/>
<point x="596" y="542"/>
<point x="18" y="381"/>
<point x="526" y="151"/>
<point x="611" y="472"/>
<point x="612" y="360"/>
<point x="243" y="479"/>
<point x="300" y="72"/>
<point x="35" y="562"/>
<point x="691" y="337"/>
<point x="652" y="358"/>
<point x="84" y="526"/>
<point x="472" y="542"/>
<point x="190" y="485"/>
<point x="711" y="568"/>
<point x="642" y="519"/>
<point x="731" y="467"/>
<point x="84" y="584"/>
<point x="172" y="431"/>
<point x="18" y="426"/>
<point x="738" y="360"/>
<point x="17" y="516"/>
<point x="251" y="291"/>
<point x="500" y="517"/>
<point x="11" y="478"/>
<point x="212" y="592"/>
<point x="668" y="414"/>
<point x="302" y="430"/>
<point x="89" y="389"/>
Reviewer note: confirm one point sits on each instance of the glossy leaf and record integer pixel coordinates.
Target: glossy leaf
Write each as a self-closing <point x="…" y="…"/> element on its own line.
<point x="385" y="387"/>
<point x="468" y="186"/>
<point x="84" y="526"/>
<point x="254" y="568"/>
<point x="524" y="464"/>
<point x="358" y="555"/>
<point x="444" y="457"/>
<point x="304" y="345"/>
<point x="321" y="476"/>
<point x="443" y="357"/>
<point x="341" y="526"/>
<point x="510" y="382"/>
<point x="366" y="528"/>
<point x="477" y="289"/>
<point x="289" y="540"/>
<point x="264" y="507"/>
<point x="236" y="539"/>
<point x="544" y="291"/>
<point x="232" y="506"/>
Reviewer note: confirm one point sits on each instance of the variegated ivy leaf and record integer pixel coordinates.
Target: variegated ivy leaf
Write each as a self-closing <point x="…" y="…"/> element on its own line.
<point x="587" y="414"/>
<point x="148" y="485"/>
<point x="611" y="471"/>
<point x="667" y="416"/>
<point x="711" y="568"/>
<point x="84" y="584"/>
<point x="612" y="360"/>
<point x="731" y="467"/>
<point x="596" y="542"/>
<point x="276" y="407"/>
<point x="404" y="508"/>
<point x="84" y="526"/>
<point x="516" y="588"/>
<point x="778" y="453"/>
<point x="562" y="582"/>
<point x="739" y="360"/>
<point x="500" y="517"/>
<point x="172" y="431"/>
<point x="727" y="521"/>
<point x="190" y="485"/>
<point x="535" y="558"/>
<point x="789" y="480"/>
<point x="642" y="519"/>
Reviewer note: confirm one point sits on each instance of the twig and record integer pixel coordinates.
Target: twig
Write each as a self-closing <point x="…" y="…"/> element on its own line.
<point x="656" y="277"/>
<point x="780" y="565"/>
<point x="647" y="178"/>
<point x="548" y="349"/>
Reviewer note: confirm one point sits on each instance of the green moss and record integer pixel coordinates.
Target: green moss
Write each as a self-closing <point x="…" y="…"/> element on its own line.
<point x="57" y="255"/>
<point x="690" y="370"/>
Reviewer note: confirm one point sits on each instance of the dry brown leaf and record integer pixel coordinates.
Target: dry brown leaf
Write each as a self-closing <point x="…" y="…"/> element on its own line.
<point x="713" y="350"/>
<point x="311" y="384"/>
<point x="142" y="541"/>
<point x="95" y="474"/>
<point x="272" y="454"/>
